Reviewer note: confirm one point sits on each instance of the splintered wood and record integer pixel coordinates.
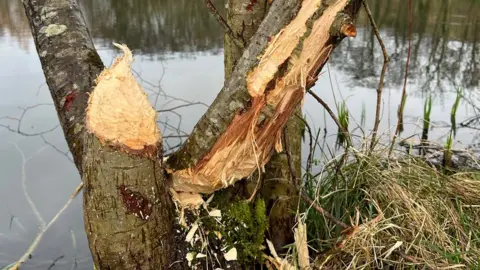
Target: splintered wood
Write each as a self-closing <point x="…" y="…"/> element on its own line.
<point x="303" y="46"/>
<point x="119" y="112"/>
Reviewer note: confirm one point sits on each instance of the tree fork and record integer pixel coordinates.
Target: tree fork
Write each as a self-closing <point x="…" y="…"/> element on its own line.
<point x="240" y="130"/>
<point x="276" y="188"/>
<point x="128" y="211"/>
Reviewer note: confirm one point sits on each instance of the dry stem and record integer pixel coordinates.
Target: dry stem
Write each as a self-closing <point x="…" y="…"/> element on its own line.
<point x="382" y="74"/>
<point x="404" y="92"/>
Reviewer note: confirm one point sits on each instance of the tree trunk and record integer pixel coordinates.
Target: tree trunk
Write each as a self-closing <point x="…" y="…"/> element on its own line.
<point x="239" y="131"/>
<point x="69" y="61"/>
<point x="277" y="189"/>
<point x="128" y="212"/>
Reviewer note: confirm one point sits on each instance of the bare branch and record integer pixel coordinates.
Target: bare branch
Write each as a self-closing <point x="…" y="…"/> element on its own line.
<point x="386" y="59"/>
<point x="334" y="117"/>
<point x="18" y="128"/>
<point x="236" y="39"/>
<point x="35" y="242"/>
<point x="181" y="106"/>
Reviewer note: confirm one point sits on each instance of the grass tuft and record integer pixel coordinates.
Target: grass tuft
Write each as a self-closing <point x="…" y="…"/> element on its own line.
<point x="402" y="213"/>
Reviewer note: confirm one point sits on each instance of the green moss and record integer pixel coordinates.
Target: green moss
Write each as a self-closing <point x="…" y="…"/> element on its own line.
<point x="243" y="226"/>
<point x="246" y="225"/>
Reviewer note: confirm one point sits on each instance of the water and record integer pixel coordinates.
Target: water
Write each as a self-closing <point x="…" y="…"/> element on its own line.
<point x="178" y="56"/>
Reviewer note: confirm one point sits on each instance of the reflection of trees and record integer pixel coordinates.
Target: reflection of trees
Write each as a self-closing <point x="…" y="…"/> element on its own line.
<point x="148" y="26"/>
<point x="445" y="52"/>
<point x="444" y="46"/>
<point x="155" y="26"/>
<point x="13" y="22"/>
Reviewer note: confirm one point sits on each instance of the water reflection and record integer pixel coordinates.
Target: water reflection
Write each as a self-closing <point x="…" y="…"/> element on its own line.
<point x="155" y="27"/>
<point x="14" y="23"/>
<point x="445" y="50"/>
<point x="445" y="56"/>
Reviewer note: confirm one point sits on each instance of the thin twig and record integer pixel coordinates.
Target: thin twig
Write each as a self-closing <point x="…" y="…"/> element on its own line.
<point x="240" y="43"/>
<point x="24" y="185"/>
<point x="55" y="261"/>
<point x="386" y="59"/>
<point x="180" y="106"/>
<point x="404" y="92"/>
<point x="323" y="212"/>
<point x="56" y="148"/>
<point x="330" y="112"/>
<point x="19" y="120"/>
<point x="35" y="243"/>
<point x="304" y="196"/>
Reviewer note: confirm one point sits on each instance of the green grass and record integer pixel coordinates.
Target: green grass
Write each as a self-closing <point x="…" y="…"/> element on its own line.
<point x="344" y="119"/>
<point x="453" y="112"/>
<point x="427" y="111"/>
<point x="403" y="214"/>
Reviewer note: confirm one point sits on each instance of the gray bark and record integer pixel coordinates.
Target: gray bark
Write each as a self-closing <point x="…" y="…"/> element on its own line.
<point x="128" y="211"/>
<point x="69" y="61"/>
<point x="234" y="95"/>
<point x="277" y="189"/>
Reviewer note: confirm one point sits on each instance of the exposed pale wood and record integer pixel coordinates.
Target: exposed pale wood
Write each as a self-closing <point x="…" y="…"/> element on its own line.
<point x="128" y="210"/>
<point x="118" y="109"/>
<point x="276" y="85"/>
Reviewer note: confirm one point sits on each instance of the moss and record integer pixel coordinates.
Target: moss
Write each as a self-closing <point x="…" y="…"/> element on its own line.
<point x="246" y="225"/>
<point x="243" y="225"/>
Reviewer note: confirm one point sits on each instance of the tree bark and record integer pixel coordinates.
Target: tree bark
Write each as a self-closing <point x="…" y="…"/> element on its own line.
<point x="277" y="188"/>
<point x="128" y="212"/>
<point x="241" y="128"/>
<point x="244" y="18"/>
<point x="70" y="63"/>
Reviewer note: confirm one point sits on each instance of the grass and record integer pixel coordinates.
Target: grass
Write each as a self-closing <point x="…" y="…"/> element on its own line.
<point x="427" y="111"/>
<point x="344" y="119"/>
<point x="403" y="214"/>
<point x="453" y="112"/>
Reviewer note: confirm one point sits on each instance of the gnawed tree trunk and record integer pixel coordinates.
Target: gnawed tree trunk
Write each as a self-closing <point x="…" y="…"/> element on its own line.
<point x="242" y="127"/>
<point x="128" y="212"/>
<point x="277" y="189"/>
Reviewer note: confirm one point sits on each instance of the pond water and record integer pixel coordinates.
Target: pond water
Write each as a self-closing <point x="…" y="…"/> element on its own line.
<point x="178" y="58"/>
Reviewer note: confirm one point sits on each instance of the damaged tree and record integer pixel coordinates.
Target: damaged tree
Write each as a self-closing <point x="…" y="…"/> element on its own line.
<point x="111" y="130"/>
